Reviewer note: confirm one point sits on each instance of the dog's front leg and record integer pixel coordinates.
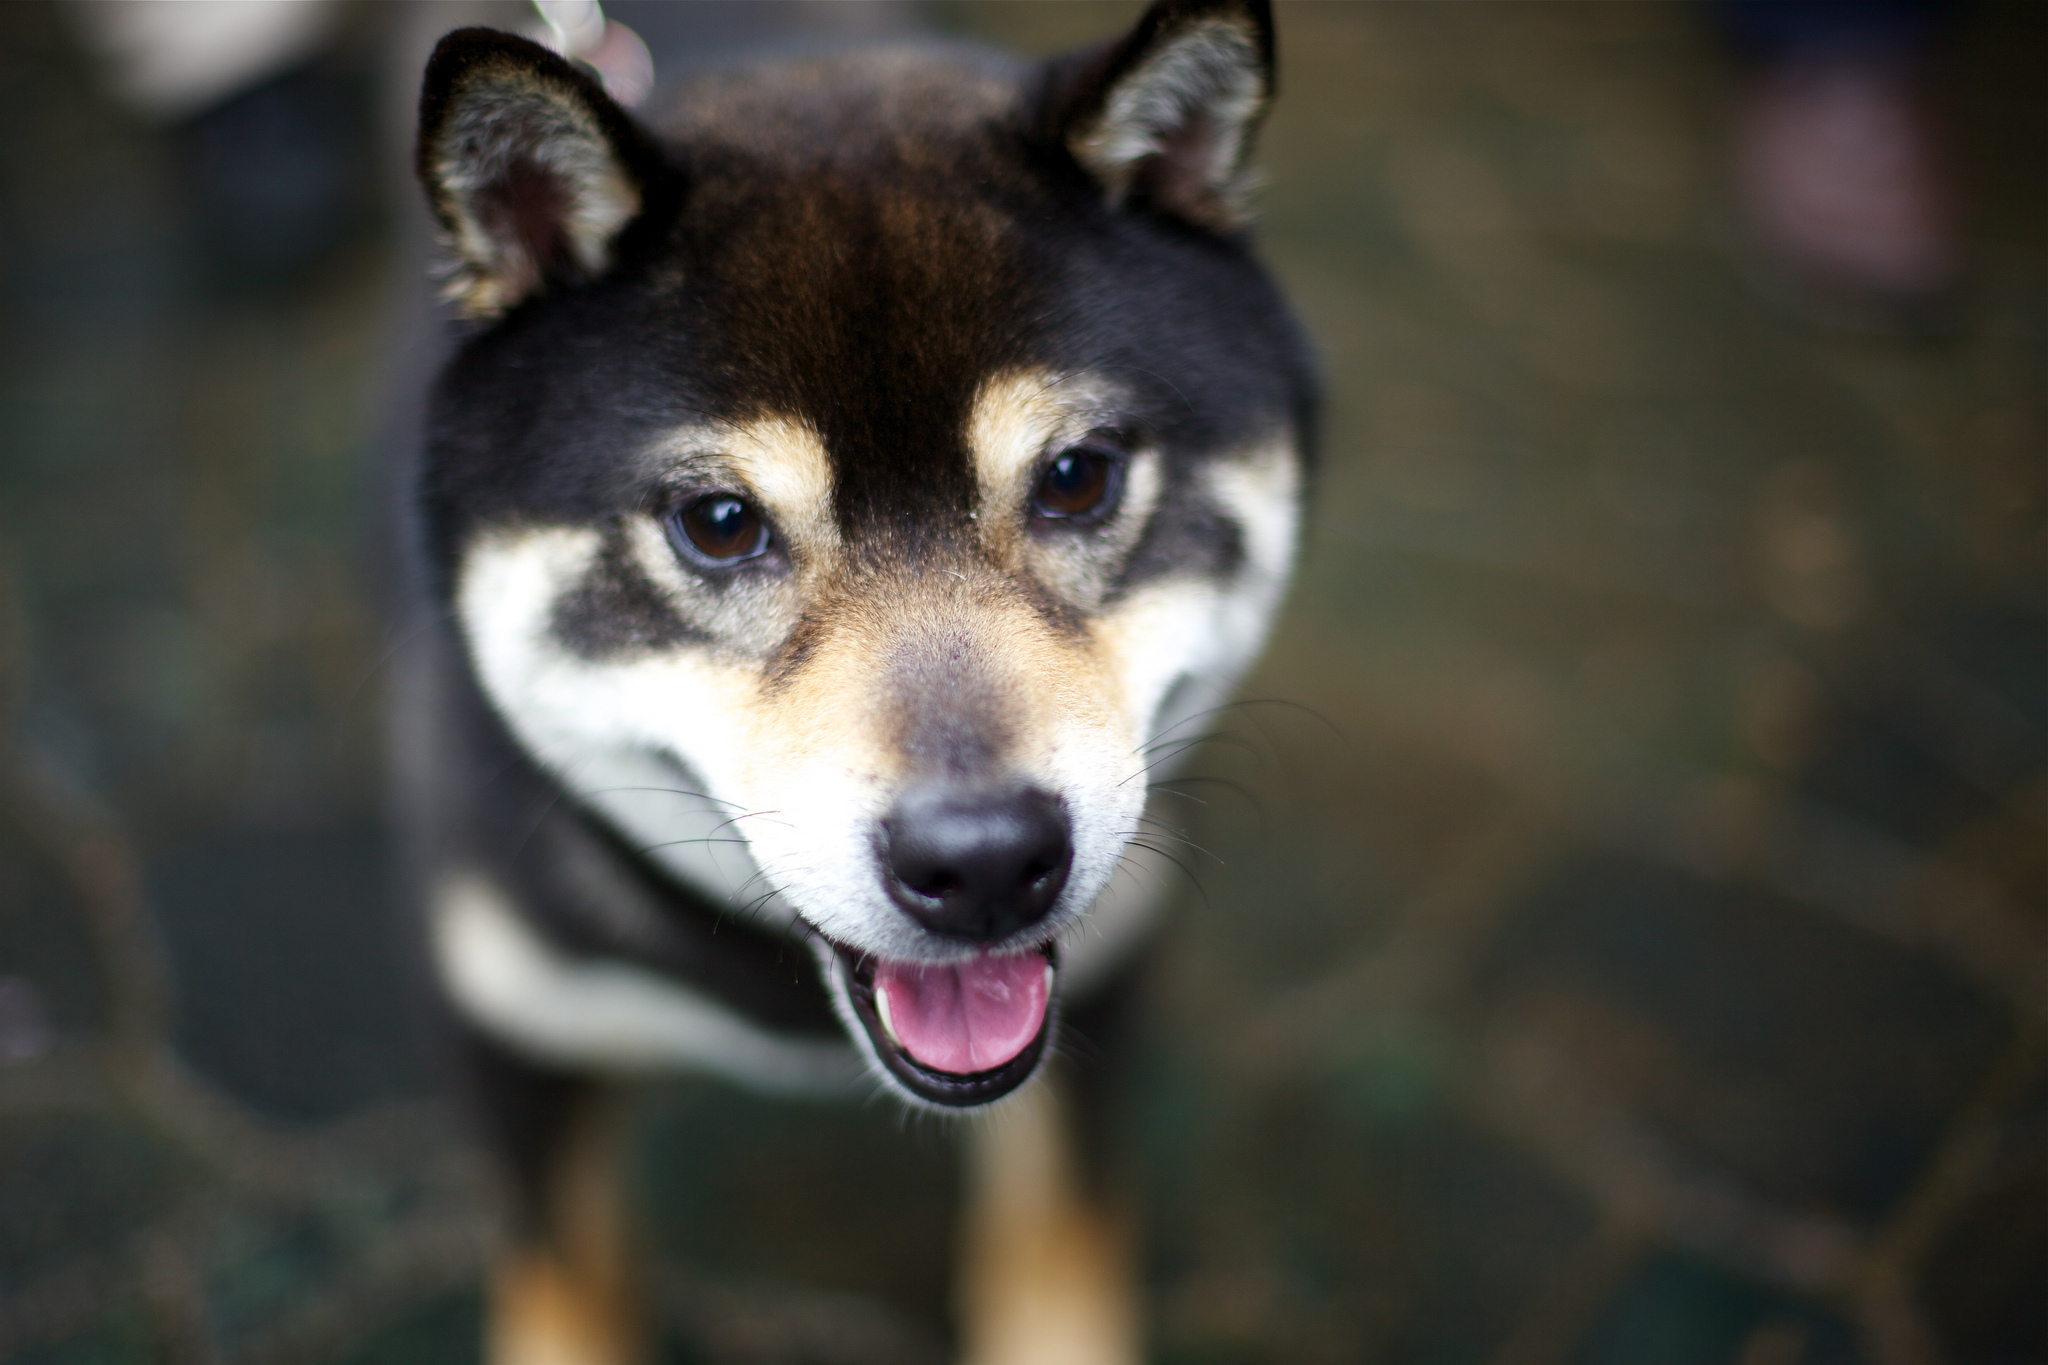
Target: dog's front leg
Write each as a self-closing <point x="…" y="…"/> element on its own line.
<point x="563" y="1289"/>
<point x="1046" y="1277"/>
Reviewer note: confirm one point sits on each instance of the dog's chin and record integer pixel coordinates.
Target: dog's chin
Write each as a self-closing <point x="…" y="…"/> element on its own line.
<point x="953" y="1035"/>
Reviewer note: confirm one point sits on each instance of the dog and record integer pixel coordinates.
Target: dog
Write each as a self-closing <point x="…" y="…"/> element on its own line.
<point x="846" y="493"/>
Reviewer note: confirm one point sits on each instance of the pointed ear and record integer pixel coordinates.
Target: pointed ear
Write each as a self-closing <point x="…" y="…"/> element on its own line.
<point x="1166" y="116"/>
<point x="532" y="170"/>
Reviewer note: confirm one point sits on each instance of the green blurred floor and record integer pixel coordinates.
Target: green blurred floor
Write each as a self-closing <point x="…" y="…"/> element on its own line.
<point x="1627" y="947"/>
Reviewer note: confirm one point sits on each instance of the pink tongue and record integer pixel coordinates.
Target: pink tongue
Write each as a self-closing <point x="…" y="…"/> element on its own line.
<point x="969" y="1016"/>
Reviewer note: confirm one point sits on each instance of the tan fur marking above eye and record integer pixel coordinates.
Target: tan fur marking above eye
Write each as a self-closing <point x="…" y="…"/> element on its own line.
<point x="1013" y="416"/>
<point x="778" y="459"/>
<point x="784" y="461"/>
<point x="1018" y="415"/>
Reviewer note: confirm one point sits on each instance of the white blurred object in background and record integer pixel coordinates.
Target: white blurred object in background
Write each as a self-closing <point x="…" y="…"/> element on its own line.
<point x="172" y="58"/>
<point x="578" y="30"/>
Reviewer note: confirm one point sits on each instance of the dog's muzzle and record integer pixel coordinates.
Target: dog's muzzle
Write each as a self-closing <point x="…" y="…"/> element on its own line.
<point x="972" y="863"/>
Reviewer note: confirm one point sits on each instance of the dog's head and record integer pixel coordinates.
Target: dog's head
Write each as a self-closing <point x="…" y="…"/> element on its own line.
<point x="846" y="488"/>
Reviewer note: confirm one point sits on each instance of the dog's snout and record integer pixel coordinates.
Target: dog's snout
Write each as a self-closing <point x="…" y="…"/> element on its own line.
<point x="974" y="863"/>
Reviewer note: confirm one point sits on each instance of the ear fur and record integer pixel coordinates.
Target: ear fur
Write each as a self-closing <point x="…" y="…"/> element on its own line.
<point x="1166" y="116"/>
<point x="533" y="171"/>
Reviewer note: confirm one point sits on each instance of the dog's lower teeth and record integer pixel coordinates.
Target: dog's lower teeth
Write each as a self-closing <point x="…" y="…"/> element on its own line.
<point x="882" y="1013"/>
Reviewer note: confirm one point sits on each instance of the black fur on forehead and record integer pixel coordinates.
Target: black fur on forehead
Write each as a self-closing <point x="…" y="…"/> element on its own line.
<point x="860" y="243"/>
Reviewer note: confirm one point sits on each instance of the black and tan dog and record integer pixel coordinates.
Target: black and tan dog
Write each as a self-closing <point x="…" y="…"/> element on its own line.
<point x="844" y="494"/>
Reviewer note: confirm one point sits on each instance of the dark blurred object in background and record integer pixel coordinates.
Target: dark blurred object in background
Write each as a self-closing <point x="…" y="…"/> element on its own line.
<point x="266" y="108"/>
<point x="277" y="176"/>
<point x="1841" y="176"/>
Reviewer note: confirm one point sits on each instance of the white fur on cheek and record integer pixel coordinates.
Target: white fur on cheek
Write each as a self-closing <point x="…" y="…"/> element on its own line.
<point x="819" y="850"/>
<point x="1189" y="639"/>
<point x="1088" y="762"/>
<point x="1263" y="493"/>
<point x="678" y="751"/>
<point x="650" y="741"/>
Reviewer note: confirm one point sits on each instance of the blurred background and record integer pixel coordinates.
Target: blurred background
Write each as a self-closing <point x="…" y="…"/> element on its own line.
<point x="1620" y="940"/>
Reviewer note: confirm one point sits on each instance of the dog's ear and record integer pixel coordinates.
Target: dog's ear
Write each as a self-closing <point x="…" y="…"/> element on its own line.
<point x="1165" y="117"/>
<point x="533" y="171"/>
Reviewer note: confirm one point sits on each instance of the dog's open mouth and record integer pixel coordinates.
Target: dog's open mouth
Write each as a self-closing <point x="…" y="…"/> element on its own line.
<point x="958" y="1033"/>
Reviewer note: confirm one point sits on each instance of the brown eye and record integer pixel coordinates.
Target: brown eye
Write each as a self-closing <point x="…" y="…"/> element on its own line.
<point x="720" y="529"/>
<point x="1081" y="481"/>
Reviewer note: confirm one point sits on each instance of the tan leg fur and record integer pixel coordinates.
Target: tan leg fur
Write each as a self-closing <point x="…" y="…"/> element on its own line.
<point x="1046" y="1279"/>
<point x="569" y="1297"/>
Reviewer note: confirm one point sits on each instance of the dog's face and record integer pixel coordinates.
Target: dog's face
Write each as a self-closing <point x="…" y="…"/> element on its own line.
<point x="847" y="493"/>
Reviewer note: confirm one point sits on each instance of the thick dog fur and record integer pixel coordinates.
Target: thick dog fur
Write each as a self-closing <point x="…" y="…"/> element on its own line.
<point x="882" y="312"/>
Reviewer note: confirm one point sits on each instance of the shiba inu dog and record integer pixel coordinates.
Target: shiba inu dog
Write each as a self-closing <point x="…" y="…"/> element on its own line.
<point x="849" y="488"/>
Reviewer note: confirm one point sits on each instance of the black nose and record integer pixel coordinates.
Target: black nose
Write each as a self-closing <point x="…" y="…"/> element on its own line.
<point x="974" y="862"/>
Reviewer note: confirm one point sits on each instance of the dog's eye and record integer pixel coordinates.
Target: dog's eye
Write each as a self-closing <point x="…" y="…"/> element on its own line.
<point x="720" y="529"/>
<point x="1081" y="481"/>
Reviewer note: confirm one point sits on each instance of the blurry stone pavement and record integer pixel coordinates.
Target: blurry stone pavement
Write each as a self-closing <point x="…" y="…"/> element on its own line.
<point x="1613" y="933"/>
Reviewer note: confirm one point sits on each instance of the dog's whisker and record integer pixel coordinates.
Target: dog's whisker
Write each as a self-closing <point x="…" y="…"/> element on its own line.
<point x="1248" y="704"/>
<point x="1185" y="869"/>
<point x="679" y="843"/>
<point x="1220" y="737"/>
<point x="1134" y="836"/>
<point x="1139" y="872"/>
<point x="1164" y="831"/>
<point x="751" y="815"/>
<point x="1174" y="745"/>
<point x="667" y="791"/>
<point x="1202" y="714"/>
<point x="1249" y="796"/>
